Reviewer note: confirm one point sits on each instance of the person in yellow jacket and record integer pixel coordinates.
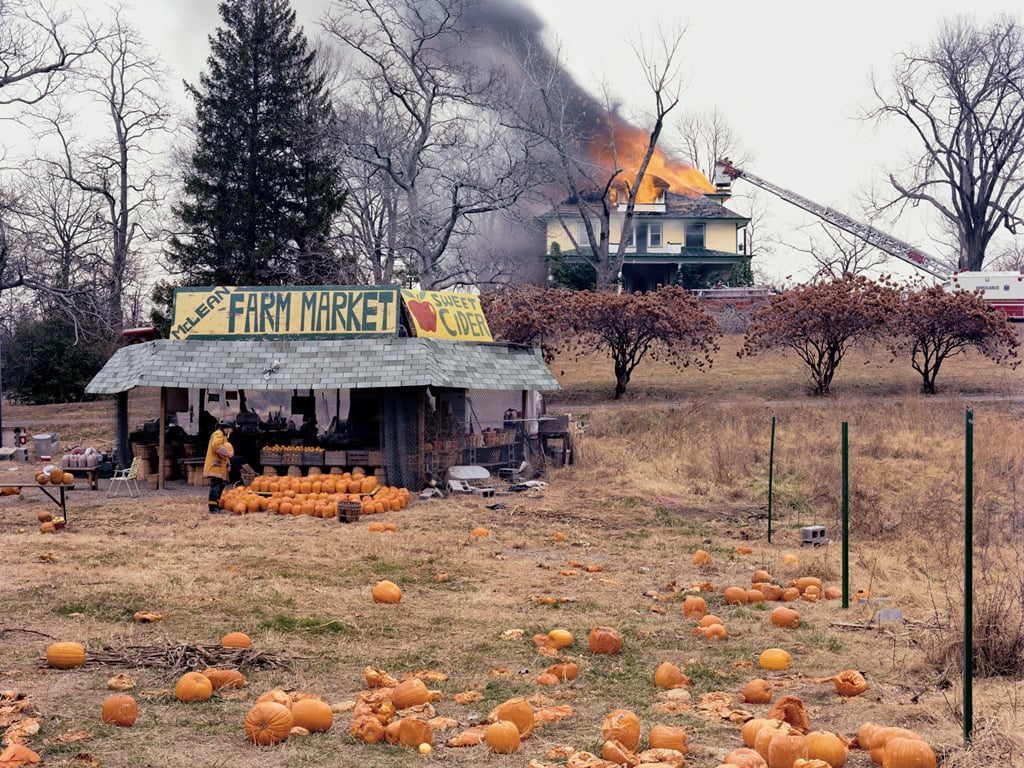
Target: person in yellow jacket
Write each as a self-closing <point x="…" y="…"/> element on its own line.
<point x="218" y="462"/>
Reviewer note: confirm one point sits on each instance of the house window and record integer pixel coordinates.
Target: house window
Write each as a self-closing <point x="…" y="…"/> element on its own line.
<point x="694" y="235"/>
<point x="654" y="234"/>
<point x="581" y="234"/>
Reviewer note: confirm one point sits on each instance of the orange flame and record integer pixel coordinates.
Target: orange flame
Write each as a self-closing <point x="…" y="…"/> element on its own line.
<point x="627" y="152"/>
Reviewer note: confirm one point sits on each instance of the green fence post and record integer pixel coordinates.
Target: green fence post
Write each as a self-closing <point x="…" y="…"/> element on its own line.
<point x="846" y="515"/>
<point x="771" y="472"/>
<point x="968" y="576"/>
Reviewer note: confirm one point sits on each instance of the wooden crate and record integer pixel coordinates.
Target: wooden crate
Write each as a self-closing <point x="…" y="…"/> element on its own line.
<point x="335" y="458"/>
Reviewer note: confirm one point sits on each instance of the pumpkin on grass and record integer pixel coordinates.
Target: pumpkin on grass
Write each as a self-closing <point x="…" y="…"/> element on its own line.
<point x="745" y="757"/>
<point x="850" y="682"/>
<point x="903" y="752"/>
<point x="65" y="655"/>
<point x="313" y="714"/>
<point x="386" y="592"/>
<point x="668" y="675"/>
<point x="604" y="640"/>
<point x="193" y="686"/>
<point x="518" y="711"/>
<point x="224" y="678"/>
<point x="774" y="659"/>
<point x="236" y="640"/>
<point x="410" y="693"/>
<point x="827" y="746"/>
<point x="623" y="726"/>
<point x="757" y="691"/>
<point x="669" y="737"/>
<point x="786" y="618"/>
<point x="268" y="722"/>
<point x="120" y="709"/>
<point x="502" y="737"/>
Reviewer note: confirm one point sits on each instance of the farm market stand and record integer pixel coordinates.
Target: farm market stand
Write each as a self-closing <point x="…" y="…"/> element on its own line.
<point x="325" y="379"/>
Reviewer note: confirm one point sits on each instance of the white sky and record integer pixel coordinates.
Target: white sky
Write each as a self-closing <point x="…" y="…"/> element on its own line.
<point x="791" y="76"/>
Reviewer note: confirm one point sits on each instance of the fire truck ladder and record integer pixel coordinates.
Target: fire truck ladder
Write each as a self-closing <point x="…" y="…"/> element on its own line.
<point x="725" y="172"/>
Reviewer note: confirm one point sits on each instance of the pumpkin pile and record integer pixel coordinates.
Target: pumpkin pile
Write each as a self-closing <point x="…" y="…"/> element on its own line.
<point x="317" y="495"/>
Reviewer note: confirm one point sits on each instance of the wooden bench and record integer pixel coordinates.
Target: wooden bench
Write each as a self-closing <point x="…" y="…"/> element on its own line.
<point x="61" y="489"/>
<point x="91" y="474"/>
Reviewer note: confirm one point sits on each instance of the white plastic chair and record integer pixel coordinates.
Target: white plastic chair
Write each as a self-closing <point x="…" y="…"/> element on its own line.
<point x="127" y="479"/>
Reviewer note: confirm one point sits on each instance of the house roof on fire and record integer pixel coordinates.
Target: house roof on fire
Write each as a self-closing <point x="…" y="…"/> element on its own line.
<point x="676" y="205"/>
<point x="362" y="363"/>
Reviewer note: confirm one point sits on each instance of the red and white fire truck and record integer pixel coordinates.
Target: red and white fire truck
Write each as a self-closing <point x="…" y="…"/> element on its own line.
<point x="1002" y="289"/>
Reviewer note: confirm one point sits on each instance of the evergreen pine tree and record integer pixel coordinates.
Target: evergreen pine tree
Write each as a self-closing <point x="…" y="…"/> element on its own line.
<point x="262" y="189"/>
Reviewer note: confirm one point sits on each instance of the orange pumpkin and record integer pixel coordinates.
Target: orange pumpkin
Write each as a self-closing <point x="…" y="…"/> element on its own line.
<point x="701" y="557"/>
<point x="774" y="659"/>
<point x="694" y="607"/>
<point x="120" y="709"/>
<point x="502" y="737"/>
<point x="65" y="655"/>
<point x="827" y="746"/>
<point x="386" y="592"/>
<point x="567" y="670"/>
<point x="236" y="640"/>
<point x="735" y="596"/>
<point x="623" y="726"/>
<point x="224" y="678"/>
<point x="668" y="675"/>
<point x="518" y="711"/>
<point x="313" y="714"/>
<point x="668" y="737"/>
<point x="745" y="757"/>
<point x="604" y="640"/>
<point x="903" y="752"/>
<point x="784" y="749"/>
<point x="411" y="692"/>
<point x="268" y="722"/>
<point x="757" y="691"/>
<point x="560" y="638"/>
<point x="785" y="617"/>
<point x="193" y="686"/>
<point x="367" y="729"/>
<point x="413" y="732"/>
<point x="850" y="682"/>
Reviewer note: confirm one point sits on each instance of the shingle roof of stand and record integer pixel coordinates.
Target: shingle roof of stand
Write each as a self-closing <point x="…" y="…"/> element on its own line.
<point x="322" y="364"/>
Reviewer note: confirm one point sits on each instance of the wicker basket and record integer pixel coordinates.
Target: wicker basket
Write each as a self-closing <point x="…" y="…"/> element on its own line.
<point x="348" y="511"/>
<point x="248" y="475"/>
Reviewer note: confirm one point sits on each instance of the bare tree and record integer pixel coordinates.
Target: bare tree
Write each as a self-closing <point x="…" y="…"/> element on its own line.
<point x="123" y="171"/>
<point x="600" y="159"/>
<point x="704" y="138"/>
<point x="434" y="152"/>
<point x="963" y="99"/>
<point x="837" y="253"/>
<point x="37" y="48"/>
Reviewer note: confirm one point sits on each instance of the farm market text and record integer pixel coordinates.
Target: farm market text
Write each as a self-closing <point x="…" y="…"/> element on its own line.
<point x="232" y="312"/>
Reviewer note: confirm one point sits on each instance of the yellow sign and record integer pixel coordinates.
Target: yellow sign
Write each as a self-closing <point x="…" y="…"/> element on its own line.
<point x="304" y="312"/>
<point x="437" y="315"/>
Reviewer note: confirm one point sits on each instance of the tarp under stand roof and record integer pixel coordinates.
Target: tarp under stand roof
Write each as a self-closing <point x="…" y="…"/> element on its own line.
<point x="361" y="363"/>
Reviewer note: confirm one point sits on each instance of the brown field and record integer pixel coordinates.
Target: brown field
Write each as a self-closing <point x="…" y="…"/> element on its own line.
<point x="680" y="464"/>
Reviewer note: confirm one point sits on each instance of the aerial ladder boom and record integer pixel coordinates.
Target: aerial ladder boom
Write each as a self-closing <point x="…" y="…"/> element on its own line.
<point x="726" y="172"/>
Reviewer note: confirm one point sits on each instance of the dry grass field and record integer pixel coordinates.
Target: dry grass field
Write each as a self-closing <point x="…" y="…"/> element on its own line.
<point x="680" y="464"/>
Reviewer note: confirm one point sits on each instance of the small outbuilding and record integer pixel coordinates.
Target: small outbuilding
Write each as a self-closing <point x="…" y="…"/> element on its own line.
<point x="403" y="383"/>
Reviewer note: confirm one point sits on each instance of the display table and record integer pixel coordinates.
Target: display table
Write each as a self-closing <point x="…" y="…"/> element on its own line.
<point x="91" y="474"/>
<point x="60" y="500"/>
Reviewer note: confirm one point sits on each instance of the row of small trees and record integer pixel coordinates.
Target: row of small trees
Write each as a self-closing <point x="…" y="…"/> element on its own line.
<point x="820" y="322"/>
